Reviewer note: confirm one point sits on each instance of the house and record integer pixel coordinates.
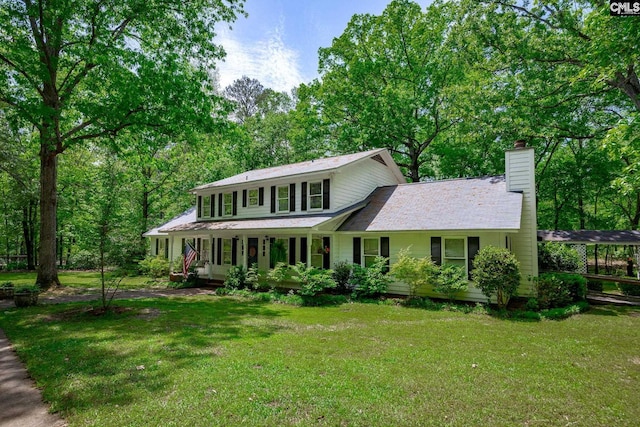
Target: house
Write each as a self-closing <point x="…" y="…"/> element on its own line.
<point x="353" y="208"/>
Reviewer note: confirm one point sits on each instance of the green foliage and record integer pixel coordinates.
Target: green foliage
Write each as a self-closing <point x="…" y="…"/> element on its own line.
<point x="560" y="289"/>
<point x="450" y="280"/>
<point x="235" y="278"/>
<point x="278" y="275"/>
<point x="84" y="260"/>
<point x="496" y="272"/>
<point x="253" y="278"/>
<point x="629" y="289"/>
<point x="341" y="274"/>
<point x="557" y="257"/>
<point x="26" y="289"/>
<point x="415" y="272"/>
<point x="278" y="252"/>
<point x="313" y="280"/>
<point x="372" y="281"/>
<point x="155" y="267"/>
<point x="595" y="285"/>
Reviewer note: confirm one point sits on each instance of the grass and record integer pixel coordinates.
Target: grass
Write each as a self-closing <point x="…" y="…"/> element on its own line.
<point x="220" y="361"/>
<point x="81" y="280"/>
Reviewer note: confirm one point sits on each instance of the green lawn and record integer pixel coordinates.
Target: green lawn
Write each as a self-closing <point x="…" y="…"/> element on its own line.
<point x="209" y="361"/>
<point x="81" y="280"/>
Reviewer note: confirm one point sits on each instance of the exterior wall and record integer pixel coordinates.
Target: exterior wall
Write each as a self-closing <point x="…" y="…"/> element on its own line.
<point x="520" y="175"/>
<point x="420" y="246"/>
<point x="349" y="185"/>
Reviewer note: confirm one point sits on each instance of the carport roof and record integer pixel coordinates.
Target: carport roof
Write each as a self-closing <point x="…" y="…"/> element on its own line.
<point x="593" y="237"/>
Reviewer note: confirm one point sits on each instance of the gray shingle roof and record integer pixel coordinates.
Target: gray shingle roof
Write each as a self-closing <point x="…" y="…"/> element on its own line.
<point x="459" y="204"/>
<point x="615" y="237"/>
<point x="184" y="218"/>
<point x="318" y="165"/>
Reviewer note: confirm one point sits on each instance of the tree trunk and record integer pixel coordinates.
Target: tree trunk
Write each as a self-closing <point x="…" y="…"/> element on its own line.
<point x="47" y="269"/>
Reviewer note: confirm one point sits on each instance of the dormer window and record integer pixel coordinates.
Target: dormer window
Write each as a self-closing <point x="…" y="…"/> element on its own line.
<point x="206" y="206"/>
<point x="315" y="195"/>
<point x="283" y="198"/>
<point x="253" y="196"/>
<point x="227" y="201"/>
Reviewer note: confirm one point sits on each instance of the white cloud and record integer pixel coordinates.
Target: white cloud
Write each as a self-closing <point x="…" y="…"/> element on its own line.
<point x="269" y="60"/>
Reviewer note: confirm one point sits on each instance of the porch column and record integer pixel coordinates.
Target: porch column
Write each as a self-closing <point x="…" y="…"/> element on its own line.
<point x="210" y="266"/>
<point x="243" y="251"/>
<point x="308" y="249"/>
<point x="171" y="252"/>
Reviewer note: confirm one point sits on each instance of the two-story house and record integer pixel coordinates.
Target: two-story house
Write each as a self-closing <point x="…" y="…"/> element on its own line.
<point x="353" y="208"/>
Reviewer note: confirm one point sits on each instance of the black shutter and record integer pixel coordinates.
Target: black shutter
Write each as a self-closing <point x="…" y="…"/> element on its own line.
<point x="220" y="204"/>
<point x="261" y="196"/>
<point x="303" y="250"/>
<point x="244" y="198"/>
<point x="182" y="248"/>
<point x="271" y="242"/>
<point x="213" y="205"/>
<point x="384" y="251"/>
<point x="303" y="202"/>
<point x="436" y="250"/>
<point x="234" y="251"/>
<point x="199" y="206"/>
<point x="198" y="248"/>
<point x="292" y="251"/>
<point x="235" y="203"/>
<point x="166" y="248"/>
<point x="473" y="246"/>
<point x="157" y="246"/>
<point x="219" y="254"/>
<point x="273" y="199"/>
<point x="326" y="203"/>
<point x="357" y="257"/>
<point x="326" y="254"/>
<point x="292" y="197"/>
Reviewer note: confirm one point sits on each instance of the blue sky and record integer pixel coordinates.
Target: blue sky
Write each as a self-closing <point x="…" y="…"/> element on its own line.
<point x="278" y="42"/>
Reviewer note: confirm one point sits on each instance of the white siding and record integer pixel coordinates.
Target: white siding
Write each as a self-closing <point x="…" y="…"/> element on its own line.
<point x="355" y="182"/>
<point x="520" y="174"/>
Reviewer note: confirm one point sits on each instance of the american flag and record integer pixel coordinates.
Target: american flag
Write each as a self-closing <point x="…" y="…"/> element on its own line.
<point x="189" y="255"/>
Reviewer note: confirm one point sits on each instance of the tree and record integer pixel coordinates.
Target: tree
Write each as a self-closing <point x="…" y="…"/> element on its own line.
<point x="384" y="83"/>
<point x="415" y="272"/>
<point x="82" y="70"/>
<point x="496" y="271"/>
<point x="245" y="93"/>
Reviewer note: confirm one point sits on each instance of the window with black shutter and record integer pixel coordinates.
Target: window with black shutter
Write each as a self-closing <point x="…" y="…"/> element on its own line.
<point x="292" y="197"/>
<point x="303" y="200"/>
<point x="357" y="251"/>
<point x="473" y="246"/>
<point x="326" y="202"/>
<point x="436" y="250"/>
<point x="292" y="251"/>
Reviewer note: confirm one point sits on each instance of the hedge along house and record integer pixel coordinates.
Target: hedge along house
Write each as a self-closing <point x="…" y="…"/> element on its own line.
<point x="353" y="208"/>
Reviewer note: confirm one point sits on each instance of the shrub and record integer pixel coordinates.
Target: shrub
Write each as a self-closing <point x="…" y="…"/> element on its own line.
<point x="552" y="292"/>
<point x="235" y="278"/>
<point x="450" y="280"/>
<point x="369" y="282"/>
<point x="84" y="260"/>
<point x="557" y="257"/>
<point x="253" y="278"/>
<point x="575" y="283"/>
<point x="155" y="267"/>
<point x="629" y="289"/>
<point x="415" y="272"/>
<point x="313" y="280"/>
<point x="341" y="275"/>
<point x="278" y="275"/>
<point x="16" y="265"/>
<point x="496" y="272"/>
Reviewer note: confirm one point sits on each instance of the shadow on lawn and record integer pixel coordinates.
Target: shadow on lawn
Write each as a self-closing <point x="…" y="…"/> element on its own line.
<point x="614" y="310"/>
<point x="85" y="360"/>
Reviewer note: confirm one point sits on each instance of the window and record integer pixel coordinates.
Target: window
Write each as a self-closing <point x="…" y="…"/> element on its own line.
<point x="371" y="249"/>
<point x="204" y="250"/>
<point x="227" y="204"/>
<point x="206" y="206"/>
<point x="283" y="199"/>
<point x="317" y="253"/>
<point x="227" y="247"/>
<point x="454" y="252"/>
<point x="253" y="197"/>
<point x="315" y="195"/>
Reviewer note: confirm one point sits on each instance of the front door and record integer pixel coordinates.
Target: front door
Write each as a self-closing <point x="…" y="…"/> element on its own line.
<point x="252" y="252"/>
